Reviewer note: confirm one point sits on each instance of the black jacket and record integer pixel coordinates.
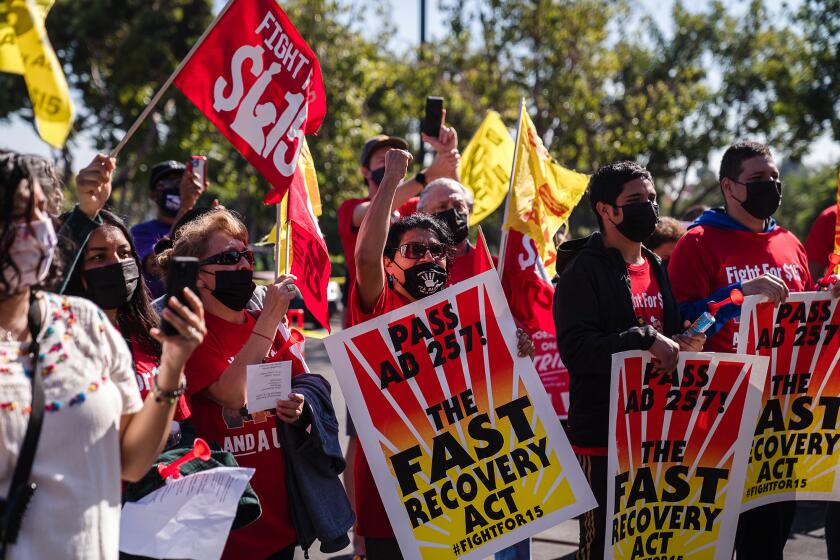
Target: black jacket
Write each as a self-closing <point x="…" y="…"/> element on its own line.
<point x="594" y="318"/>
<point x="318" y="504"/>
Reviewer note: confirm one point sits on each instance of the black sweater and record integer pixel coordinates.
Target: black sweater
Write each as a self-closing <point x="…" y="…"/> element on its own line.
<point x="594" y="318"/>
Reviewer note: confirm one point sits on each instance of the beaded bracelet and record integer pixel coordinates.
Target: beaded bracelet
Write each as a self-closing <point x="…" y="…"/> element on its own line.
<point x="169" y="396"/>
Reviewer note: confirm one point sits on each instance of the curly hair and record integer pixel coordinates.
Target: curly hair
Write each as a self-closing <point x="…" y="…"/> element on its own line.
<point x="193" y="238"/>
<point x="17" y="173"/>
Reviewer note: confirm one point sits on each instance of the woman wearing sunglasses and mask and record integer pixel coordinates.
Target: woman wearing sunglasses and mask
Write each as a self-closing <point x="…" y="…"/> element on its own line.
<point x="396" y="264"/>
<point x="96" y="429"/>
<point x="216" y="373"/>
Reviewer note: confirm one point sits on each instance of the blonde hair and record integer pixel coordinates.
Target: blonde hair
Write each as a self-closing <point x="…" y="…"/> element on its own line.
<point x="192" y="238"/>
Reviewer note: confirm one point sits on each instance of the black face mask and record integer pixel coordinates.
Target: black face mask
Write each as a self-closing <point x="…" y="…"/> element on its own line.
<point x="234" y="288"/>
<point x="457" y="223"/>
<point x="169" y="201"/>
<point x="640" y="219"/>
<point x="424" y="279"/>
<point x="763" y="198"/>
<point x="376" y="175"/>
<point x="112" y="286"/>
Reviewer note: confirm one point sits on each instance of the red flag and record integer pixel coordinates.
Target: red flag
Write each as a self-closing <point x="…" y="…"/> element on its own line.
<point x="310" y="259"/>
<point x="484" y="261"/>
<point x="529" y="291"/>
<point x="259" y="82"/>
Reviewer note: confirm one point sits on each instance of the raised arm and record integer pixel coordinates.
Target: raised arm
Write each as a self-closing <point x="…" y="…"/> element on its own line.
<point x="373" y="232"/>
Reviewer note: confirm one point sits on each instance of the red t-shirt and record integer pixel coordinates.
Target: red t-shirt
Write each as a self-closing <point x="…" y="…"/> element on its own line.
<point x="646" y="295"/>
<point x="252" y="440"/>
<point x="349" y="233"/>
<point x="471" y="263"/>
<point x="820" y="242"/>
<point x="709" y="258"/>
<point x="146" y="363"/>
<point x="370" y="513"/>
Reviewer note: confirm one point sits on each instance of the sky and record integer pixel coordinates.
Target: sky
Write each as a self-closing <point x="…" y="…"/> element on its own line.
<point x="405" y="15"/>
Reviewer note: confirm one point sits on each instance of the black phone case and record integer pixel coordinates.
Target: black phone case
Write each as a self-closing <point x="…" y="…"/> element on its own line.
<point x="183" y="272"/>
<point x="434" y="112"/>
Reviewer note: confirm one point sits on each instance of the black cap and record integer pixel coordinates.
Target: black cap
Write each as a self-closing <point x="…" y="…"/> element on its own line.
<point x="164" y="168"/>
<point x="381" y="141"/>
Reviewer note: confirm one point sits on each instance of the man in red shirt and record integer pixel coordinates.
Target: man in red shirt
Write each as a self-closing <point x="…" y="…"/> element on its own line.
<point x="820" y="242"/>
<point x="741" y="246"/>
<point x="452" y="203"/>
<point x="352" y="211"/>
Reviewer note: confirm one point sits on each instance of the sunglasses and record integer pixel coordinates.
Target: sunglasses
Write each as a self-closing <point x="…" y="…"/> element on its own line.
<point x="418" y="250"/>
<point x="229" y="257"/>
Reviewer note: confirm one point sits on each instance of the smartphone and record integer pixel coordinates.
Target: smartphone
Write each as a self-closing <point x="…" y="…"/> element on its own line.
<point x="199" y="168"/>
<point x="434" y="113"/>
<point x="182" y="273"/>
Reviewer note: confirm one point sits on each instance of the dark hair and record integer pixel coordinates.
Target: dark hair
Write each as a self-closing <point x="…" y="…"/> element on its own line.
<point x="14" y="170"/>
<point x="668" y="230"/>
<point x="608" y="181"/>
<point x="136" y="317"/>
<point x="735" y="155"/>
<point x="419" y="221"/>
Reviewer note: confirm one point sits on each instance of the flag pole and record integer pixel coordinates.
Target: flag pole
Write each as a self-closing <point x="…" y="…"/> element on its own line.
<point x="153" y="103"/>
<point x="288" y="229"/>
<point x="277" y="211"/>
<point x="503" y="244"/>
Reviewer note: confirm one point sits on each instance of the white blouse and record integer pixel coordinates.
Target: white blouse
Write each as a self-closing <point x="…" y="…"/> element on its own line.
<point x="89" y="384"/>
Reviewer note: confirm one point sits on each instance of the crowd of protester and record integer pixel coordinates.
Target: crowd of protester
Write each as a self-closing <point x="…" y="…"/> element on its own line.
<point x="80" y="325"/>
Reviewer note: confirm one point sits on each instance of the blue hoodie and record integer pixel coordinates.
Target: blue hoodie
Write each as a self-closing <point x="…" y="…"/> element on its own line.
<point x="690" y="310"/>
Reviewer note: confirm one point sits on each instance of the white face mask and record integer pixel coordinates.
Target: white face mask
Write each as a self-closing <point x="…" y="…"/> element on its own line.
<point x="32" y="253"/>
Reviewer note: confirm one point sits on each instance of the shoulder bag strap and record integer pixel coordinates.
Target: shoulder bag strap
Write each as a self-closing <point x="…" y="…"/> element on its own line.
<point x="21" y="490"/>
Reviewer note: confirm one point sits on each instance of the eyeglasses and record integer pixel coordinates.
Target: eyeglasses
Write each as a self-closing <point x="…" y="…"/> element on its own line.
<point x="418" y="250"/>
<point x="229" y="257"/>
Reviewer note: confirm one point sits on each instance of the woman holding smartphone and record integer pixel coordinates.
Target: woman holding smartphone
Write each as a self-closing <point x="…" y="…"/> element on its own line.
<point x="217" y="372"/>
<point x="96" y="430"/>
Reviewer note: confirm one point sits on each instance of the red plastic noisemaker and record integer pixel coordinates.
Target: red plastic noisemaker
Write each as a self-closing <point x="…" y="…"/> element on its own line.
<point x="735" y="296"/>
<point x="829" y="278"/>
<point x="200" y="450"/>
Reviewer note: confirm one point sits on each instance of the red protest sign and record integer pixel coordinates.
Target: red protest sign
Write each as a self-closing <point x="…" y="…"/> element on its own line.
<point x="258" y="81"/>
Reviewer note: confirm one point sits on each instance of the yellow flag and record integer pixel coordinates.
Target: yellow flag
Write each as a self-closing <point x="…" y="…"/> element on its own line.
<point x="542" y="192"/>
<point x="10" y="60"/>
<point x="310" y="177"/>
<point x="25" y="49"/>
<point x="485" y="166"/>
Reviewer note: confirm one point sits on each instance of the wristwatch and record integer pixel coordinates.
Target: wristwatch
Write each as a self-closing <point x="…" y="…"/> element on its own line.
<point x="420" y="178"/>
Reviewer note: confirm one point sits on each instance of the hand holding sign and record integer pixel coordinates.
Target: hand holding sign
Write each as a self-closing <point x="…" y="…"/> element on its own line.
<point x="768" y="285"/>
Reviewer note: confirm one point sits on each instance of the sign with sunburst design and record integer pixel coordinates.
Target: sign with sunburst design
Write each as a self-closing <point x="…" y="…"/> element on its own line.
<point x="678" y="451"/>
<point x="796" y="450"/>
<point x="463" y="442"/>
